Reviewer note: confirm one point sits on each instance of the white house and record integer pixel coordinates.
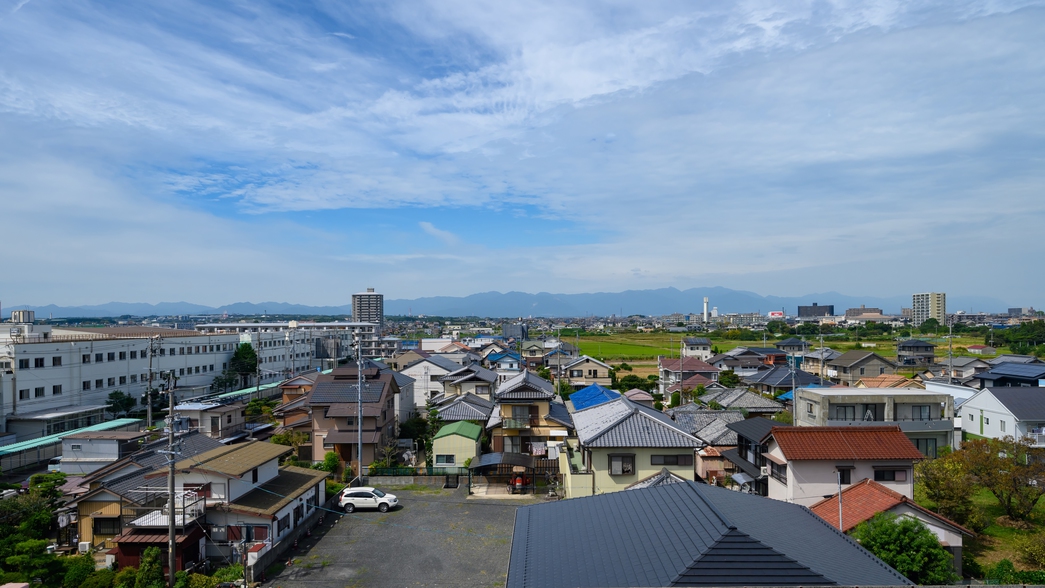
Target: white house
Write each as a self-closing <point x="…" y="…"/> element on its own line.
<point x="1006" y="412"/>
<point x="83" y="453"/>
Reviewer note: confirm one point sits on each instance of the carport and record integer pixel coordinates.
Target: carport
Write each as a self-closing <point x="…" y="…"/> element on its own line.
<point x="502" y="473"/>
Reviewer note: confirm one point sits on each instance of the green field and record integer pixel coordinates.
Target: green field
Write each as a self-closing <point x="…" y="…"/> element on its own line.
<point x="630" y="346"/>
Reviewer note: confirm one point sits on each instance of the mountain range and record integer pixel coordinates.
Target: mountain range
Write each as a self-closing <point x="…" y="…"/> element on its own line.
<point x="522" y="304"/>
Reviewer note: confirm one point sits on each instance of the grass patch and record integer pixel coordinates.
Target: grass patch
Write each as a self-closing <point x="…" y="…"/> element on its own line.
<point x="421" y="488"/>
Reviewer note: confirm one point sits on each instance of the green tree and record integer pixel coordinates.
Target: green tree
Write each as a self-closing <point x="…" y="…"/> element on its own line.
<point x="700" y="390"/>
<point x="244" y="363"/>
<point x="432" y="425"/>
<point x="930" y="326"/>
<point x="34" y="564"/>
<point x="947" y="482"/>
<point x="119" y="403"/>
<point x="290" y="438"/>
<point x="908" y="546"/>
<point x="564" y="389"/>
<point x="729" y="379"/>
<point x="77" y="569"/>
<point x="150" y="570"/>
<point x="330" y="462"/>
<point x="224" y="381"/>
<point x="1011" y="469"/>
<point x="125" y="577"/>
<point x="676" y="398"/>
<point x="784" y="417"/>
<point x="544" y="373"/>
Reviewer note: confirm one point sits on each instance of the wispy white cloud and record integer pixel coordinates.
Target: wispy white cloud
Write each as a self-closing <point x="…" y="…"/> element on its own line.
<point x="446" y="237"/>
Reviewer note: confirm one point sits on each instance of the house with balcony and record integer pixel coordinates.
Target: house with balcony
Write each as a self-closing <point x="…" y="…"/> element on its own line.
<point x="855" y="365"/>
<point x="506" y="363"/>
<point x="805" y="464"/>
<point x="115" y="491"/>
<point x="915" y="352"/>
<point x="815" y="362"/>
<point x="621" y="442"/>
<point x="226" y="422"/>
<point x="532" y="352"/>
<point x="1008" y="411"/>
<point x="781" y="378"/>
<point x="674" y="373"/>
<point x="239" y="492"/>
<point x="698" y="347"/>
<point x="470" y="379"/>
<point x="584" y="371"/>
<point x="527" y="416"/>
<point x="927" y="418"/>
<point x="333" y="406"/>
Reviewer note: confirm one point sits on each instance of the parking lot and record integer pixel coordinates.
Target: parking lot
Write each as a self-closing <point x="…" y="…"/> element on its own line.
<point x="435" y="538"/>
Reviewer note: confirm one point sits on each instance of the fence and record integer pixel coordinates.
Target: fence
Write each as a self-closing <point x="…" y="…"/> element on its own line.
<point x="421" y="471"/>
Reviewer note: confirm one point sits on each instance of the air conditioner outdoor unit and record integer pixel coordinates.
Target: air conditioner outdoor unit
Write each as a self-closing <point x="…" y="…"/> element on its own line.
<point x="84" y="546"/>
<point x="764" y="471"/>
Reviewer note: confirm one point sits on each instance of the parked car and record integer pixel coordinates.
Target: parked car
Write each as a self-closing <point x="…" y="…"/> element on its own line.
<point x="353" y="498"/>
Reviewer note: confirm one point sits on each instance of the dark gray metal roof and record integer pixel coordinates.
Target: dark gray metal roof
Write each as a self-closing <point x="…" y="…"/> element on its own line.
<point x="746" y="466"/>
<point x="342" y="391"/>
<point x="684" y="534"/>
<point x="755" y="429"/>
<point x="1016" y="370"/>
<point x="914" y="344"/>
<point x="1024" y="403"/>
<point x="470" y="372"/>
<point x="437" y="360"/>
<point x="559" y="413"/>
<point x="696" y="341"/>
<point x="781" y="376"/>
<point x="513" y="459"/>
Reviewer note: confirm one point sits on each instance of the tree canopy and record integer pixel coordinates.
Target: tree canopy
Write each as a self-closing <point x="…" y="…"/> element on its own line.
<point x="908" y="546"/>
<point x="1011" y="469"/>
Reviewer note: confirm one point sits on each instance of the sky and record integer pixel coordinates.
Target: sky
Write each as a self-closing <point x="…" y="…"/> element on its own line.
<point x="300" y="152"/>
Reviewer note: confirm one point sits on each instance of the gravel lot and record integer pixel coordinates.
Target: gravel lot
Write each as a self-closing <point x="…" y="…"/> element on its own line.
<point x="436" y="538"/>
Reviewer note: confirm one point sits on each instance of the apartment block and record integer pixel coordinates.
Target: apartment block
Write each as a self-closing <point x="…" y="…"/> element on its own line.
<point x="929" y="305"/>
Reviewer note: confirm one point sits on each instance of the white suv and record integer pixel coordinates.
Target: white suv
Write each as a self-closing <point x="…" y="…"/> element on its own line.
<point x="353" y="498"/>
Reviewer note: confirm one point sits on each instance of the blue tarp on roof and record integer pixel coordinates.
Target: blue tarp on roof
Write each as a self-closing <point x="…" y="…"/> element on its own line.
<point x="789" y="395"/>
<point x="593" y="395"/>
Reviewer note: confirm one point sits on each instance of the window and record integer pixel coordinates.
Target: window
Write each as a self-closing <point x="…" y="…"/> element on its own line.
<point x="254" y="476"/>
<point x="861" y="371"/>
<point x="890" y="475"/>
<point x="134" y="354"/>
<point x="56" y="361"/>
<point x="111" y="356"/>
<point x="99" y="383"/>
<point x="444" y="459"/>
<point x="134" y="378"/>
<point x="181" y="351"/>
<point x="228" y="421"/>
<point x="181" y="371"/>
<point x="212" y="369"/>
<point x="23" y="394"/>
<point x="682" y="460"/>
<point x="86" y="385"/>
<point x="778" y="471"/>
<point x="23" y="364"/>
<point x="283" y="525"/>
<point x="198" y="371"/>
<point x="926" y="446"/>
<point x="76" y="447"/>
<point x="512" y="444"/>
<point x="85" y="358"/>
<point x="123" y="380"/>
<point x="845" y="413"/>
<point x="576" y="373"/>
<point x="56" y="390"/>
<point x="38" y="392"/>
<point x="845" y="475"/>
<point x="986" y="420"/>
<point x="38" y="362"/>
<point x="920" y="412"/>
<point x="622" y="464"/>
<point x="809" y="408"/>
<point x="111" y="381"/>
<point x="106" y="526"/>
<point x="123" y="355"/>
<point x="881" y="371"/>
<point x="98" y="358"/>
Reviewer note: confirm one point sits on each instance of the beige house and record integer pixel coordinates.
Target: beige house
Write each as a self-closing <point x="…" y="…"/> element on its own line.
<point x="527" y="417"/>
<point x="585" y="371"/>
<point x="620" y="443"/>
<point x="456" y="443"/>
<point x="848" y="368"/>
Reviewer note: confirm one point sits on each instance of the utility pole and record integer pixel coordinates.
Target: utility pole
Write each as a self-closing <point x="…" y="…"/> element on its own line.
<point x="950" y="354"/>
<point x="359" y="403"/>
<point x="154" y="344"/>
<point x="171" y="501"/>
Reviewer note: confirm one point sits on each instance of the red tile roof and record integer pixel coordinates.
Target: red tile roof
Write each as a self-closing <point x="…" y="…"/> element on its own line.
<point x="690" y="383"/>
<point x="866" y="498"/>
<point x="845" y="443"/>
<point x="689" y="364"/>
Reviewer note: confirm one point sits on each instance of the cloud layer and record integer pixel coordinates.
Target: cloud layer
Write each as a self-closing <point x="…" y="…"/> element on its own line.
<point x="187" y="151"/>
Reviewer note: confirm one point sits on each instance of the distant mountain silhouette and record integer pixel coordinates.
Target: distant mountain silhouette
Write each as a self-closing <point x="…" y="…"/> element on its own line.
<point x="521" y="304"/>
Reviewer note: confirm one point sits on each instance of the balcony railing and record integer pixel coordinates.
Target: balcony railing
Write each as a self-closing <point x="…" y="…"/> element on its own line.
<point x="188" y="506"/>
<point x="519" y="423"/>
<point x="1037" y="439"/>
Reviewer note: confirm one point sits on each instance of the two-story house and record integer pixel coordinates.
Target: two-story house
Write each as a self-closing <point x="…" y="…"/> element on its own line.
<point x="620" y="443"/>
<point x="527" y="417"/>
<point x="1007" y="411"/>
<point x="743" y="464"/>
<point x="915" y="352"/>
<point x="333" y="403"/>
<point x="674" y="373"/>
<point x="84" y="452"/>
<point x="815" y="362"/>
<point x="427" y="373"/>
<point x="240" y="492"/>
<point x="584" y="371"/>
<point x="740" y="399"/>
<point x="793" y="347"/>
<point x="466" y="407"/>
<point x="854" y="365"/>
<point x="806" y="464"/>
<point x="781" y="378"/>
<point x="533" y="353"/>
<point x="698" y="347"/>
<point x="1012" y="374"/>
<point x="506" y="363"/>
<point x="226" y="422"/>
<point x="470" y="379"/>
<point x="927" y="418"/>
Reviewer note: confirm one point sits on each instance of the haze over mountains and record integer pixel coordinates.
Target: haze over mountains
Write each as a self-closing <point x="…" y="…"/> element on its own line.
<point x="521" y="304"/>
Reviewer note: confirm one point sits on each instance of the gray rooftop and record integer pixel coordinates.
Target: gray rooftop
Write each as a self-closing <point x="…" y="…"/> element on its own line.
<point x="1025" y="403"/>
<point x="755" y="429"/>
<point x="684" y="534"/>
<point x="525" y="386"/>
<point x="342" y="391"/>
<point x="623" y="423"/>
<point x="741" y="398"/>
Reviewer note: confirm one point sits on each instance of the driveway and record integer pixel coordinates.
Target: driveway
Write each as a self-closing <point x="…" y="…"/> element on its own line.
<point x="435" y="538"/>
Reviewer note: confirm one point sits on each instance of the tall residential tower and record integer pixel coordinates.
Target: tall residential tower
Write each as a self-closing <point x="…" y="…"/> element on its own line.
<point x="929" y="305"/>
<point x="369" y="307"/>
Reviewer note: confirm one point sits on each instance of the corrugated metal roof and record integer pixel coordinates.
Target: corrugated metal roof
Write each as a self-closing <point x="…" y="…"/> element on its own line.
<point x="57" y="437"/>
<point x="1025" y="403"/>
<point x="235" y="460"/>
<point x="267" y="499"/>
<point x="651" y="536"/>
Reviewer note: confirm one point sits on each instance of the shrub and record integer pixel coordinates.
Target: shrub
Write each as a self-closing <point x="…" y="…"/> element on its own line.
<point x="229" y="574"/>
<point x="1031" y="549"/>
<point x="202" y="581"/>
<point x="77" y="569"/>
<point x="125" y="577"/>
<point x="908" y="546"/>
<point x="99" y="579"/>
<point x="676" y="398"/>
<point x="333" y="488"/>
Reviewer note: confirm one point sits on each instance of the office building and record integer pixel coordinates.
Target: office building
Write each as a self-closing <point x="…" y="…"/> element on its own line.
<point x="816" y="310"/>
<point x="517" y="331"/>
<point x="369" y="307"/>
<point x="929" y="305"/>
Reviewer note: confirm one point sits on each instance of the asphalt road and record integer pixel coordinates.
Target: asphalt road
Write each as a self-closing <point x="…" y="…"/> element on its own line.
<point x="436" y="538"/>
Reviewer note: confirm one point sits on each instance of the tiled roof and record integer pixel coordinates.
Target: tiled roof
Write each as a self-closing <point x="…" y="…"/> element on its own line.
<point x="845" y="443"/>
<point x="691" y="383"/>
<point x="466" y="407"/>
<point x="639" y="395"/>
<point x="851" y="358"/>
<point x="825" y="353"/>
<point x="1025" y="403"/>
<point x="267" y="499"/>
<point x="342" y="391"/>
<point x="792" y="342"/>
<point x="235" y="460"/>
<point x="1013" y="358"/>
<point x="689" y="364"/>
<point x="661" y="478"/>
<point x="525" y="386"/>
<point x="718" y="432"/>
<point x="866" y="498"/>
<point x="438" y="361"/>
<point x="741" y="398"/>
<point x="623" y="423"/>
<point x="684" y="534"/>
<point x="470" y="372"/>
<point x="889" y="381"/>
<point x="591" y="396"/>
<point x="781" y="375"/>
<point x="583" y="359"/>
<point x="692" y="421"/>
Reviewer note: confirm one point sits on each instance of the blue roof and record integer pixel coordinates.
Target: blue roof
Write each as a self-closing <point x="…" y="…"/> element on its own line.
<point x="789" y="395"/>
<point x="593" y="395"/>
<point x="503" y="354"/>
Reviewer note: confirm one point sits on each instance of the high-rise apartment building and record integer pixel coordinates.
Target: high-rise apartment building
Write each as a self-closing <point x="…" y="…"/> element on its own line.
<point x="816" y="310"/>
<point x="929" y="305"/>
<point x="369" y="307"/>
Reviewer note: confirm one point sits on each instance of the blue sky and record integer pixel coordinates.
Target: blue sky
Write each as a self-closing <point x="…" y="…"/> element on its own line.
<point x="252" y="151"/>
